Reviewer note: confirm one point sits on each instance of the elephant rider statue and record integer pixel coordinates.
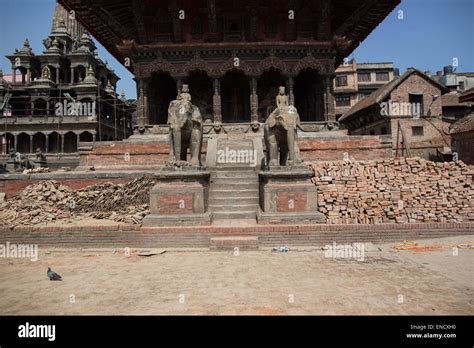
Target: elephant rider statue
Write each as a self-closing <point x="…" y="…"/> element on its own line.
<point x="185" y="130"/>
<point x="281" y="133"/>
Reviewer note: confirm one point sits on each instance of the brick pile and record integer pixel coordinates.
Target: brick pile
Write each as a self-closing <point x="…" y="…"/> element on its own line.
<point x="394" y="191"/>
<point x="50" y="201"/>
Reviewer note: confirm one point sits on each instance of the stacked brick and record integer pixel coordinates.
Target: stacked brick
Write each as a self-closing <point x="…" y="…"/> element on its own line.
<point x="394" y="191"/>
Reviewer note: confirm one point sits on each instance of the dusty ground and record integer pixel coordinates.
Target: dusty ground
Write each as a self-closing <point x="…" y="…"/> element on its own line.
<point x="302" y="281"/>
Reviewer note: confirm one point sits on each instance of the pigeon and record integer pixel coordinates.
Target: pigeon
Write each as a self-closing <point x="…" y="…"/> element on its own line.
<point x="52" y="275"/>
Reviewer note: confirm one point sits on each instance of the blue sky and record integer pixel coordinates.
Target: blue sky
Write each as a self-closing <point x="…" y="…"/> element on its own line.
<point x="431" y="34"/>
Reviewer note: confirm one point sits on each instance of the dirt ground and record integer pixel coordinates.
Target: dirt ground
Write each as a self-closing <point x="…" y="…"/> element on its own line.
<point x="302" y="281"/>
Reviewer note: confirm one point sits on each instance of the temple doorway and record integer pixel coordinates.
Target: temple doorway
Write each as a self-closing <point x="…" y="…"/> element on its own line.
<point x="309" y="96"/>
<point x="235" y="92"/>
<point x="200" y="87"/>
<point x="161" y="91"/>
<point x="267" y="90"/>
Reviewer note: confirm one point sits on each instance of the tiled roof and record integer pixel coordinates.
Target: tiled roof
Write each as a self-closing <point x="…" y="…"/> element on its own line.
<point x="465" y="124"/>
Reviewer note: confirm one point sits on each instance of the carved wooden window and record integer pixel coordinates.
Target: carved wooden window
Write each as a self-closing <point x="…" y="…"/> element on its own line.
<point x="196" y="28"/>
<point x="163" y="26"/>
<point x="271" y="28"/>
<point x="304" y="28"/>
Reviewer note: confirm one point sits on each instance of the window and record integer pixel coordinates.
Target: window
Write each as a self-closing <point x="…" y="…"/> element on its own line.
<point x="461" y="86"/>
<point x="416" y="103"/>
<point x="417" y="131"/>
<point x="363" y="77"/>
<point x="343" y="101"/>
<point x="361" y="96"/>
<point x="381" y="76"/>
<point x="341" y="80"/>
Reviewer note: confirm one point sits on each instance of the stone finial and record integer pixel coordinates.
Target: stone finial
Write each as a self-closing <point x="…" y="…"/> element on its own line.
<point x="55" y="42"/>
<point x="46" y="73"/>
<point x="26" y="43"/>
<point x="1" y="74"/>
<point x="90" y="71"/>
<point x="122" y="94"/>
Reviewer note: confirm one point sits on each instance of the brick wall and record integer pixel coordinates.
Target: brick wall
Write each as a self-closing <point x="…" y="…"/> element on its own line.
<point x="365" y="147"/>
<point x="464" y="145"/>
<point x="127" y="154"/>
<point x="416" y="83"/>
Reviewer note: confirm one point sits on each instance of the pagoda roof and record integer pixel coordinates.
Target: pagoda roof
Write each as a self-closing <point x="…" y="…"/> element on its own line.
<point x="113" y="22"/>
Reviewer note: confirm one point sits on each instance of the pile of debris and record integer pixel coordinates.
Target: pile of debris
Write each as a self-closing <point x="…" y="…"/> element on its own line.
<point x="36" y="170"/>
<point x="50" y="201"/>
<point x="394" y="191"/>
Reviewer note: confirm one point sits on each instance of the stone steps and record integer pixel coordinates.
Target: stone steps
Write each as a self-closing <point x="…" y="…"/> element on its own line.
<point x="223" y="200"/>
<point x="233" y="206"/>
<point x="234" y="187"/>
<point x="227" y="215"/>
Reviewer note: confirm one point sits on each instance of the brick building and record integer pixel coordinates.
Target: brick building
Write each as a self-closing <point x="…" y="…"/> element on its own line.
<point x="355" y="81"/>
<point x="462" y="131"/>
<point x="410" y="110"/>
<point x="63" y="96"/>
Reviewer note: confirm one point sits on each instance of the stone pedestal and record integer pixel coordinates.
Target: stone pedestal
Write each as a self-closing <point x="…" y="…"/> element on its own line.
<point x="180" y="197"/>
<point x="287" y="195"/>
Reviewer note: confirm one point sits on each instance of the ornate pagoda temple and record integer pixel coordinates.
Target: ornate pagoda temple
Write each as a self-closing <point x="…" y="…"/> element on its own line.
<point x="233" y="54"/>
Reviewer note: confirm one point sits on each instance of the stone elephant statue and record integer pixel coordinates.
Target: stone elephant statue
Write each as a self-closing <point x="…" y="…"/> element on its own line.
<point x="281" y="137"/>
<point x="185" y="131"/>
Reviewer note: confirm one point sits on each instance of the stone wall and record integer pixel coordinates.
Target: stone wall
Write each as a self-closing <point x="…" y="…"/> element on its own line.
<point x="394" y="191"/>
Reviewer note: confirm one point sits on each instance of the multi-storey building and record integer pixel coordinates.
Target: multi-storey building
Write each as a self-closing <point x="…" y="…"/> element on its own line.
<point x="355" y="81"/>
<point x="63" y="96"/>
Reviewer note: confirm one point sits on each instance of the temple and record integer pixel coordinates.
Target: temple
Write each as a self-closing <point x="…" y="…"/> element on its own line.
<point x="233" y="54"/>
<point x="58" y="98"/>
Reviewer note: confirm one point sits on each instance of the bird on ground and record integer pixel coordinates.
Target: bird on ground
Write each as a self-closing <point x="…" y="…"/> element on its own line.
<point x="52" y="275"/>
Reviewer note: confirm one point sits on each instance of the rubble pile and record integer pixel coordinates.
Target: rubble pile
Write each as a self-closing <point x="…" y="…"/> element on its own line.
<point x="50" y="201"/>
<point x="394" y="191"/>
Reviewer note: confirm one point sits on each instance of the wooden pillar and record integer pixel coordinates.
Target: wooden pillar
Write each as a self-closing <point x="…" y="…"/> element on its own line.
<point x="216" y="100"/>
<point x="141" y="119"/>
<point x="289" y="87"/>
<point x="253" y="100"/>
<point x="62" y="142"/>
<point x="179" y="86"/>
<point x="28" y="75"/>
<point x="330" y="111"/>
<point x="72" y="75"/>
<point x="57" y="76"/>
<point x="46" y="145"/>
<point x="32" y="111"/>
<point x="14" y="74"/>
<point x="15" y="141"/>
<point x="31" y="143"/>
